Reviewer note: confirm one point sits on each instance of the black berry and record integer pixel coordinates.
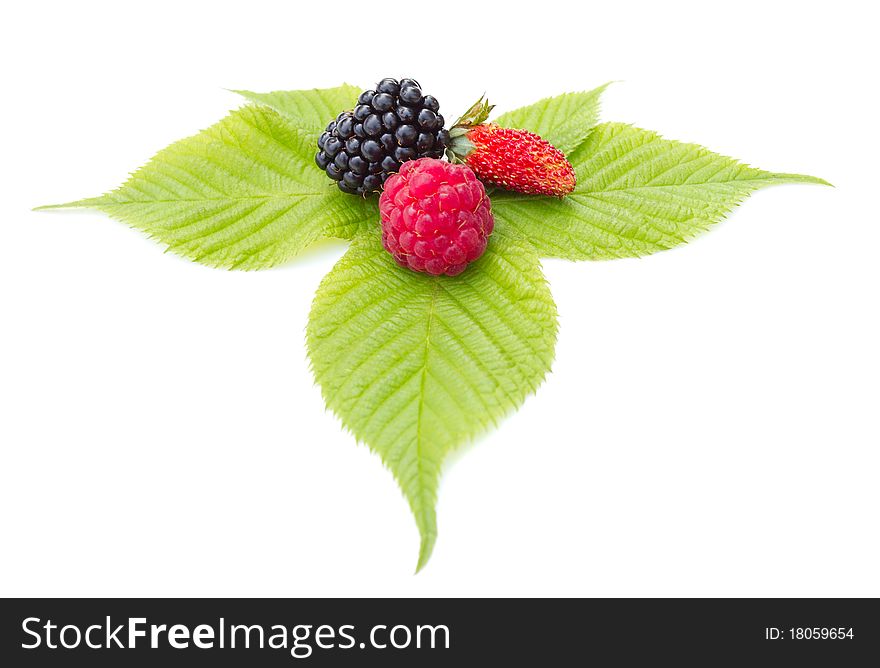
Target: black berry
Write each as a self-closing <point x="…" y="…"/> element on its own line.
<point x="358" y="165"/>
<point x="372" y="151"/>
<point x="424" y="142"/>
<point x="372" y="125"/>
<point x="333" y="171"/>
<point x="353" y="146"/>
<point x="430" y="102"/>
<point x="410" y="95"/>
<point x="333" y="145"/>
<point x="405" y="135"/>
<point x="406" y="114"/>
<point x="362" y="111"/>
<point x="427" y="121"/>
<point x="389" y="120"/>
<point x="389" y="86"/>
<point x="383" y="102"/>
<point x="389" y="164"/>
<point x="345" y="128"/>
<point x="351" y="179"/>
<point x="394" y="123"/>
<point x="402" y="154"/>
<point x="388" y="141"/>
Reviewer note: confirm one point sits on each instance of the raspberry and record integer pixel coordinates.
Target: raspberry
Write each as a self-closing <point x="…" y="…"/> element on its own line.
<point x="390" y="125"/>
<point x="436" y="217"/>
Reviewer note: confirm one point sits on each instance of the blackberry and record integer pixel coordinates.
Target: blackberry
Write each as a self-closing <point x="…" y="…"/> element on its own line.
<point x="394" y="123"/>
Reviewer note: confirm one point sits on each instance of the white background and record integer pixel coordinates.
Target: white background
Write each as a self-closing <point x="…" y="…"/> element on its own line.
<point x="711" y="423"/>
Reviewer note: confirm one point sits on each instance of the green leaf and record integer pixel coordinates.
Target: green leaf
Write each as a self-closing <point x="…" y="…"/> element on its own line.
<point x="415" y="365"/>
<point x="243" y="194"/>
<point x="564" y="120"/>
<point x="310" y="110"/>
<point x="637" y="194"/>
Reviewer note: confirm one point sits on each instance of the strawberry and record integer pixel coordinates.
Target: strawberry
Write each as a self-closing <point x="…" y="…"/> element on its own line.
<point x="513" y="159"/>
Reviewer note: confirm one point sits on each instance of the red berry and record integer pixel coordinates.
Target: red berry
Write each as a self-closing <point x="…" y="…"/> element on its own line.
<point x="513" y="159"/>
<point x="519" y="160"/>
<point x="436" y="216"/>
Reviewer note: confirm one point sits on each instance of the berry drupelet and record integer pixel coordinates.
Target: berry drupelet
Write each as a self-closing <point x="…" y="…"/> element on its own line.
<point x="394" y="123"/>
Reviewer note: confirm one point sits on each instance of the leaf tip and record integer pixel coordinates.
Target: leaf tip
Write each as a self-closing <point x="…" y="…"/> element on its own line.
<point x="804" y="178"/>
<point x="426" y="548"/>
<point x="79" y="204"/>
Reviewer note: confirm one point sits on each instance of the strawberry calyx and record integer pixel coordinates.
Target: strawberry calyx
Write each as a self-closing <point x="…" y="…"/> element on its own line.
<point x="458" y="146"/>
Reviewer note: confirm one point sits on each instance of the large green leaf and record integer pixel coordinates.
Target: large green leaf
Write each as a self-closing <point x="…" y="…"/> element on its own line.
<point x="415" y="365"/>
<point x="637" y="193"/>
<point x="243" y="194"/>
<point x="564" y="120"/>
<point x="310" y="110"/>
